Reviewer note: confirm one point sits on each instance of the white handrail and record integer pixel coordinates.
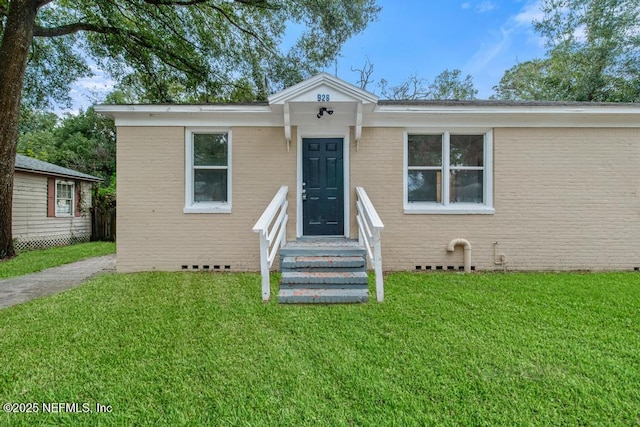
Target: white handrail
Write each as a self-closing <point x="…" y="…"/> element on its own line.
<point x="273" y="235"/>
<point x="369" y="227"/>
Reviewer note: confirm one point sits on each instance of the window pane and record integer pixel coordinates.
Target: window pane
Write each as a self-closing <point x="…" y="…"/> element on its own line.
<point x="467" y="150"/>
<point x="210" y="149"/>
<point x="424" y="186"/>
<point x="210" y="185"/>
<point x="425" y="150"/>
<point x="466" y="186"/>
<point x="63" y="206"/>
<point x="64" y="191"/>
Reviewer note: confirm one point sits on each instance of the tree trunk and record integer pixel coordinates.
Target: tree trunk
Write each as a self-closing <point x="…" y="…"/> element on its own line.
<point x="14" y="52"/>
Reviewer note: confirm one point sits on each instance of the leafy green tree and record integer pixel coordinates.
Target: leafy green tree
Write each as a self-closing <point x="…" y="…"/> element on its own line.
<point x="85" y="141"/>
<point x="593" y="54"/>
<point x="36" y="133"/>
<point x="451" y="85"/>
<point x="446" y="85"/>
<point x="198" y="49"/>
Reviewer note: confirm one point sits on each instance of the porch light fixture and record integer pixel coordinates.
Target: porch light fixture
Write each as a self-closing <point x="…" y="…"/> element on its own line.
<point x="322" y="111"/>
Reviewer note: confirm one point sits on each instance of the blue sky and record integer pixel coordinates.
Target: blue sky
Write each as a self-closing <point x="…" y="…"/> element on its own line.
<point x="482" y="38"/>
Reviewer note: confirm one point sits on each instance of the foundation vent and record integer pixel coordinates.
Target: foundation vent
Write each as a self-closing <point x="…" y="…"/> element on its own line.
<point x="446" y="268"/>
<point x="205" y="267"/>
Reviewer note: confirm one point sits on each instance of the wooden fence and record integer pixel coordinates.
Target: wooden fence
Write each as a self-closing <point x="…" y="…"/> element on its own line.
<point x="103" y="224"/>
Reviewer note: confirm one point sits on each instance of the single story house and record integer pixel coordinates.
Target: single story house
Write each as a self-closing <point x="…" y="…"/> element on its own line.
<point x="50" y="204"/>
<point x="522" y="185"/>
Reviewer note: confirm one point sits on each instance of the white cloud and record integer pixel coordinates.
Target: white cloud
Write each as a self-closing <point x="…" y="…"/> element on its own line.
<point x="95" y="85"/>
<point x="529" y="13"/>
<point x="489" y="51"/>
<point x="99" y="82"/>
<point x="511" y="42"/>
<point x="502" y="38"/>
<point x="486" y="6"/>
<point x="466" y="5"/>
<point x="88" y="90"/>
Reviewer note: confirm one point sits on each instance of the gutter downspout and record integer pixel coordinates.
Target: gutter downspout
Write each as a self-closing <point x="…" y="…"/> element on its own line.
<point x="467" y="252"/>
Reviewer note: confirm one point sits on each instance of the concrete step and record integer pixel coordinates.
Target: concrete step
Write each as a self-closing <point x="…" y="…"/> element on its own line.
<point x="322" y="247"/>
<point x="318" y="278"/>
<point x="315" y="262"/>
<point x="322" y="296"/>
<point x="323" y="270"/>
<point x="324" y="285"/>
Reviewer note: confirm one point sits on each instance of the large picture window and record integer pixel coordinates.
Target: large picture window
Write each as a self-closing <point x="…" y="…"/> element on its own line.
<point x="208" y="177"/>
<point x="448" y="172"/>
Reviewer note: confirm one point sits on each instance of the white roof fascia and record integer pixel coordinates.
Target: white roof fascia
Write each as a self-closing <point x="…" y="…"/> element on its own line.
<point x="510" y="116"/>
<point x="512" y="109"/>
<point x="180" y="109"/>
<point x="192" y="115"/>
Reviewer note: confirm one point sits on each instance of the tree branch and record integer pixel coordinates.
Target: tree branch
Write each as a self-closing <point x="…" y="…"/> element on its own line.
<point x="136" y="38"/>
<point x="240" y="28"/>
<point x="263" y="4"/>
<point x="175" y="2"/>
<point x="64" y="30"/>
<point x="42" y="3"/>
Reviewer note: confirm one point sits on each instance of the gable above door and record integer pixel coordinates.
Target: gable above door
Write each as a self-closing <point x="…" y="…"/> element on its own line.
<point x="302" y="103"/>
<point x="322" y="84"/>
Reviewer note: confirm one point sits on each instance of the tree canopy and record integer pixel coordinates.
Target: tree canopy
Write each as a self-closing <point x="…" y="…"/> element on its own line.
<point x="184" y="50"/>
<point x="167" y="50"/>
<point x="593" y="54"/>
<point x="85" y="142"/>
<point x="446" y="85"/>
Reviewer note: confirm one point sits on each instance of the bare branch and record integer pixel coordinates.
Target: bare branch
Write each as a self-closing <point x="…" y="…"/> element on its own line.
<point x="365" y="74"/>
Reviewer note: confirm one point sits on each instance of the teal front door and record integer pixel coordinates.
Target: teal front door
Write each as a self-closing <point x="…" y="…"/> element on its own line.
<point x="322" y="187"/>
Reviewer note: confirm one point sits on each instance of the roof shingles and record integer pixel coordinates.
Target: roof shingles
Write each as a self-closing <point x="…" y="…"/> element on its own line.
<point x="28" y="164"/>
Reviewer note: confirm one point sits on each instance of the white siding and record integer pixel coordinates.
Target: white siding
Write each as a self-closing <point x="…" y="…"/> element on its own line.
<point x="31" y="226"/>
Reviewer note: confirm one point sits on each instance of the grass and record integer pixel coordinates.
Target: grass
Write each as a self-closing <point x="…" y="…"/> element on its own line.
<point x="443" y="349"/>
<point x="37" y="260"/>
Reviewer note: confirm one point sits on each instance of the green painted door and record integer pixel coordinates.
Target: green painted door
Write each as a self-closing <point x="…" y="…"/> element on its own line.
<point x="322" y="187"/>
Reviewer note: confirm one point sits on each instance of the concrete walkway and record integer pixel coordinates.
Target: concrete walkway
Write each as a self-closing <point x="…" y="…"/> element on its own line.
<point x="53" y="280"/>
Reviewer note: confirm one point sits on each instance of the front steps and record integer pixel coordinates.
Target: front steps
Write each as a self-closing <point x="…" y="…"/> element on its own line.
<point x="328" y="270"/>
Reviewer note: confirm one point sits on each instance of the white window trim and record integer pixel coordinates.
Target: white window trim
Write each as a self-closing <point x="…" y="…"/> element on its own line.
<point x="451" y="208"/>
<point x="73" y="199"/>
<point x="190" y="206"/>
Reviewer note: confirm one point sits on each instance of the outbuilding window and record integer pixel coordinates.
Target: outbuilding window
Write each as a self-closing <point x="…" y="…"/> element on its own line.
<point x="208" y="171"/>
<point x="65" y="193"/>
<point x="448" y="172"/>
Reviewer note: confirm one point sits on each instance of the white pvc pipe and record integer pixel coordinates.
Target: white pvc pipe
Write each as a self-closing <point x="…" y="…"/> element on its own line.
<point x="467" y="251"/>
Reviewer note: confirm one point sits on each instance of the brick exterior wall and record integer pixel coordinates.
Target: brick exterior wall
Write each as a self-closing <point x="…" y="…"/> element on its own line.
<point x="565" y="199"/>
<point x="153" y="231"/>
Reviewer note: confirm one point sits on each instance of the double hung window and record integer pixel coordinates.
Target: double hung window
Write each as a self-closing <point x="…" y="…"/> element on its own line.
<point x="208" y="172"/>
<point x="65" y="192"/>
<point x="447" y="172"/>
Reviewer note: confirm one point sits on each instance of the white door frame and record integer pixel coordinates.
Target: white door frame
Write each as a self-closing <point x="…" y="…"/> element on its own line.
<point x="315" y="132"/>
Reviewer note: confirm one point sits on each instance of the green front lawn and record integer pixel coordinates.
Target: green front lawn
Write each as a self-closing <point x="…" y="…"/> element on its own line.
<point x="444" y="349"/>
<point x="33" y="261"/>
